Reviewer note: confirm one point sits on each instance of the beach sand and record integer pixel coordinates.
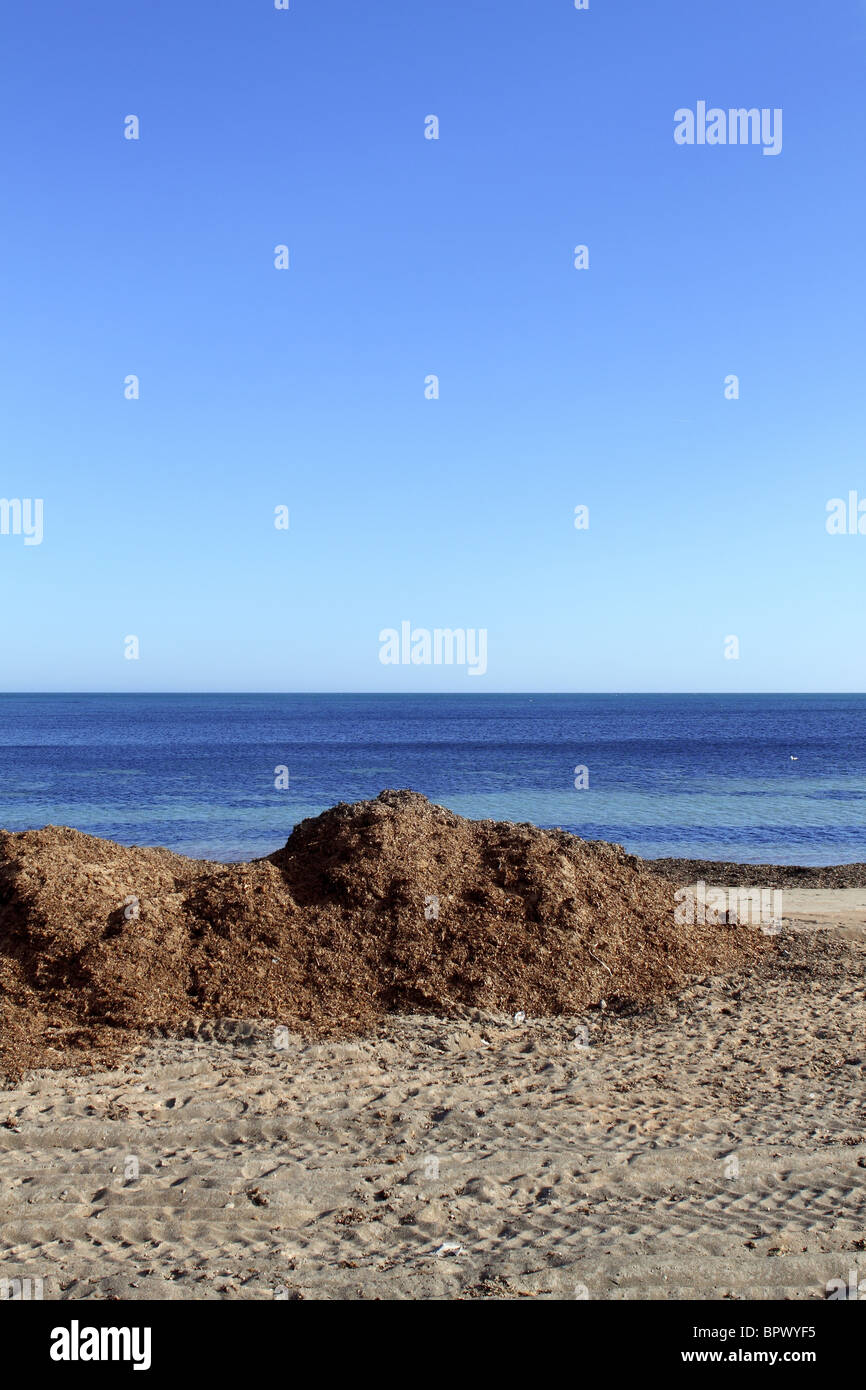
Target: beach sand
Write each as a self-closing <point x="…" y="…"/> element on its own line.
<point x="714" y="1147"/>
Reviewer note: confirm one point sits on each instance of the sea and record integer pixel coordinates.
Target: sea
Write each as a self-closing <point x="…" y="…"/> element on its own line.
<point x="750" y="778"/>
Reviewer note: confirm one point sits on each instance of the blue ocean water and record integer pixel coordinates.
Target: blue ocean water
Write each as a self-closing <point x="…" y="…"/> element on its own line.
<point x="702" y="776"/>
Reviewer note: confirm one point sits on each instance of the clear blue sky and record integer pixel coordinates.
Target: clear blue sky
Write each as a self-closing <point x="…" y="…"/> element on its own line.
<point x="411" y="257"/>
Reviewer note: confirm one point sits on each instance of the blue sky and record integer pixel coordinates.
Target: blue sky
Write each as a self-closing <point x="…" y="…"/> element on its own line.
<point x="411" y="257"/>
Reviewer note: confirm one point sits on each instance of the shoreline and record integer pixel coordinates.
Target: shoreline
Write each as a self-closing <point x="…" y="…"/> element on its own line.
<point x="736" y="875"/>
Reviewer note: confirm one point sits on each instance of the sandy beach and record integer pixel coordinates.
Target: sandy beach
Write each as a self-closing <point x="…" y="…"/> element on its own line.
<point x="712" y="1146"/>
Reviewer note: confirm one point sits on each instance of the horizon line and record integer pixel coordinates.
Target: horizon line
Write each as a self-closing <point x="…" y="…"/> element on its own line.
<point x="396" y="694"/>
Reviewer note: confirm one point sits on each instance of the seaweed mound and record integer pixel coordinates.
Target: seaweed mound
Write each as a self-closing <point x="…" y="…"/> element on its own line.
<point x="380" y="906"/>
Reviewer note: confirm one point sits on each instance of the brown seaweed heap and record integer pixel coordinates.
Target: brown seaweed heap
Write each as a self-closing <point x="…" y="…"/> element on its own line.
<point x="380" y="906"/>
